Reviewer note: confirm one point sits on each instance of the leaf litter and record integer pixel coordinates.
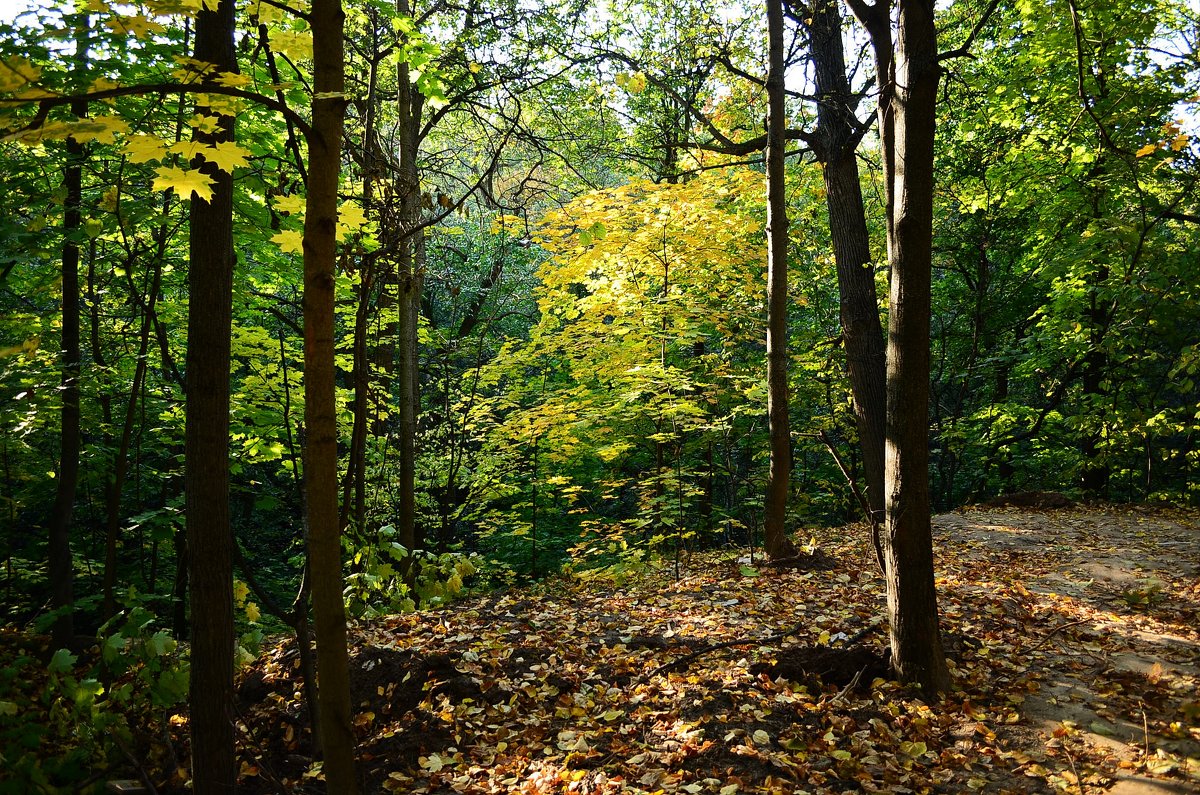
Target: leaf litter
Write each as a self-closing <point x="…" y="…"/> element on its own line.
<point x="1072" y="636"/>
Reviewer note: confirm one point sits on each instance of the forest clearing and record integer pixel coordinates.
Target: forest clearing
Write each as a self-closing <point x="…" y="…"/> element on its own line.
<point x="1075" y="637"/>
<point x="1073" y="634"/>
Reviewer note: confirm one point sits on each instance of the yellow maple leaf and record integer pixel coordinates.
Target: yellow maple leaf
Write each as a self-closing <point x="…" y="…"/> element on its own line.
<point x="204" y="123"/>
<point x="1179" y="142"/>
<point x="143" y="148"/>
<point x="221" y="104"/>
<point x="226" y="156"/>
<point x="139" y="25"/>
<point x="296" y="44"/>
<point x="184" y="182"/>
<point x="100" y="129"/>
<point x="267" y="14"/>
<point x="233" y="79"/>
<point x="350" y="219"/>
<point x="289" y="241"/>
<point x="103" y="84"/>
<point x="293" y="204"/>
<point x="188" y="149"/>
<point x="16" y="72"/>
<point x="252" y="612"/>
<point x="1146" y="150"/>
<point x="240" y="592"/>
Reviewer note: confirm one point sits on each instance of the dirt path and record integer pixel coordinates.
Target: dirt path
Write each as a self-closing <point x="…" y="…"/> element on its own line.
<point x="1112" y="604"/>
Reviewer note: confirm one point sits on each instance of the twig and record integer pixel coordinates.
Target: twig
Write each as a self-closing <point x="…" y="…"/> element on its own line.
<point x="853" y="683"/>
<point x="1075" y="770"/>
<point x="1055" y="631"/>
<point x="862" y="500"/>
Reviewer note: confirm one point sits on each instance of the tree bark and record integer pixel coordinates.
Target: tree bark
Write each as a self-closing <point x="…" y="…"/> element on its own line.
<point x="836" y="138"/>
<point x="411" y="278"/>
<point x="321" y="454"/>
<point x="59" y="564"/>
<point x="206" y="439"/>
<point x="775" y="540"/>
<point x="917" y="655"/>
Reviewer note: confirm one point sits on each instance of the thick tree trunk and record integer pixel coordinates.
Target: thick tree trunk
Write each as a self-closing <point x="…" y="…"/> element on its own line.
<point x="321" y="454"/>
<point x="775" y="540"/>
<point x="912" y="598"/>
<point x="206" y="437"/>
<point x="862" y="332"/>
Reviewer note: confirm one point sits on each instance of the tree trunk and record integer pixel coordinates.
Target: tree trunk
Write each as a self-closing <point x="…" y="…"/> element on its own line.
<point x="206" y="437"/>
<point x="775" y="540"/>
<point x="411" y="278"/>
<point x="321" y="454"/>
<point x="59" y="564"/>
<point x="862" y="333"/>
<point x="912" y="598"/>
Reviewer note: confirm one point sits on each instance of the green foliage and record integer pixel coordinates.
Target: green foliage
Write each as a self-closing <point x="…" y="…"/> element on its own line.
<point x="385" y="577"/>
<point x="66" y="719"/>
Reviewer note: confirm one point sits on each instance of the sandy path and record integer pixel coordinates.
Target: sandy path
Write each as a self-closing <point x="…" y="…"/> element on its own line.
<point x="1113" y="596"/>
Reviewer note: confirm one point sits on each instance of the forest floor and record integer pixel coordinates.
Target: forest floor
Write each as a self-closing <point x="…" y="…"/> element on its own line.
<point x="1074" y="639"/>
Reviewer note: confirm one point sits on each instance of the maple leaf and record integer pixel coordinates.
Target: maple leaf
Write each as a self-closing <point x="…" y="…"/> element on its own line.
<point x="289" y="241"/>
<point x="233" y="79"/>
<point x="350" y="219"/>
<point x="185" y="182"/>
<point x="139" y="25"/>
<point x="226" y="155"/>
<point x="293" y="204"/>
<point x="252" y="612"/>
<point x="100" y="129"/>
<point x="188" y="149"/>
<point x="16" y="71"/>
<point x="296" y="44"/>
<point x="204" y="122"/>
<point x="143" y="148"/>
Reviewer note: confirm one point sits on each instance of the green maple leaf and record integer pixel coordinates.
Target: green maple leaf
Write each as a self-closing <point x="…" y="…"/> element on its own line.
<point x="184" y="182"/>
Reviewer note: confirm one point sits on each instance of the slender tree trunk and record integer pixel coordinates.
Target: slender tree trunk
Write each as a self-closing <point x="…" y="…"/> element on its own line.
<point x="321" y="455"/>
<point x="908" y="547"/>
<point x="411" y="278"/>
<point x="775" y="539"/>
<point x="121" y="459"/>
<point x="862" y="332"/>
<point x="59" y="564"/>
<point x="206" y="435"/>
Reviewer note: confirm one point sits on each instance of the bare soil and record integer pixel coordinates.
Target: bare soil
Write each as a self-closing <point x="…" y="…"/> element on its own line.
<point x="1119" y="665"/>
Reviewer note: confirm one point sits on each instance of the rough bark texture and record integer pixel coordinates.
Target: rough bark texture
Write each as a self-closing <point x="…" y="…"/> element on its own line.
<point x="775" y="538"/>
<point x="206" y="437"/>
<point x="59" y="564"/>
<point x="321" y="454"/>
<point x="912" y="598"/>
<point x="836" y="138"/>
